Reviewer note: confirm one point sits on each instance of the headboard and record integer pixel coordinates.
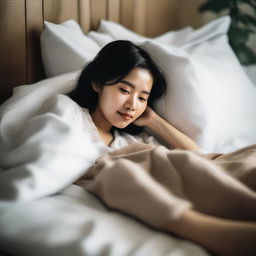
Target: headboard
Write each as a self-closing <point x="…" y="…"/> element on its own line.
<point x="21" y="24"/>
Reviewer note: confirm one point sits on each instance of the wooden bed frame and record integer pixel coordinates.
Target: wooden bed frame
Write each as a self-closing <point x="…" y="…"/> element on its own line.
<point x="21" y="24"/>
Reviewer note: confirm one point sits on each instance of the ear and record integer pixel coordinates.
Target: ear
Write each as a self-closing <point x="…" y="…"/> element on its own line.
<point x="95" y="87"/>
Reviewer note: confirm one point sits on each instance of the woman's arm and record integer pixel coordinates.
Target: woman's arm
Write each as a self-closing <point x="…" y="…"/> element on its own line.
<point x="221" y="237"/>
<point x="166" y="131"/>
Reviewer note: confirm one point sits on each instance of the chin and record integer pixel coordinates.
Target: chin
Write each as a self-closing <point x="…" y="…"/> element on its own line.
<point x="121" y="126"/>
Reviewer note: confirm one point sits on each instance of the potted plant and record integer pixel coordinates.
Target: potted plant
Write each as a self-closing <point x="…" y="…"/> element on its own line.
<point x="243" y="24"/>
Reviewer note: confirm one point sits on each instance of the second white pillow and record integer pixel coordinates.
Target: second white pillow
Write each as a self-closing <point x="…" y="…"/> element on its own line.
<point x="209" y="97"/>
<point x="65" y="48"/>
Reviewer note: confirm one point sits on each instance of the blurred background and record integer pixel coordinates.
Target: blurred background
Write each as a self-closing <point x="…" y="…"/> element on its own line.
<point x="152" y="17"/>
<point x="21" y="24"/>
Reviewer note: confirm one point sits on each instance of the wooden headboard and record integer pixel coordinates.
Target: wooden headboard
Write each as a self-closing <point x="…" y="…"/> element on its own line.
<point x="21" y="24"/>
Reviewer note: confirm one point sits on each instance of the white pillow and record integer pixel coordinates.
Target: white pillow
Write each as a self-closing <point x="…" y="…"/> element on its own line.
<point x="118" y="31"/>
<point x="65" y="48"/>
<point x="180" y="37"/>
<point x="100" y="38"/>
<point x="209" y="96"/>
<point x="176" y="37"/>
<point x="71" y="24"/>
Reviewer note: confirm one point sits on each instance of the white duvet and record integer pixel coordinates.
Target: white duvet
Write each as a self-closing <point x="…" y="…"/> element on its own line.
<point x="41" y="212"/>
<point x="74" y="222"/>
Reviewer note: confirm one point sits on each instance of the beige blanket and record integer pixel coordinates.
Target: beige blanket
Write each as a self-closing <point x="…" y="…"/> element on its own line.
<point x="156" y="185"/>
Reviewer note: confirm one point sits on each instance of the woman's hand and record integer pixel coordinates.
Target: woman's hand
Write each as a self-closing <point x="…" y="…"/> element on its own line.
<point x="146" y="117"/>
<point x="165" y="130"/>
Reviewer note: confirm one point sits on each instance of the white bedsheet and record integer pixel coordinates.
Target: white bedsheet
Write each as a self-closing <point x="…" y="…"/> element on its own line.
<point x="74" y="222"/>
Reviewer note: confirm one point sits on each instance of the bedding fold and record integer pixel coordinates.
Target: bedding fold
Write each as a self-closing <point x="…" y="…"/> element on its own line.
<point x="156" y="185"/>
<point x="48" y="152"/>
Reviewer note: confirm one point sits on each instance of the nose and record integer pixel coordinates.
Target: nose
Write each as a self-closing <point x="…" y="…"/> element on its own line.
<point x="130" y="103"/>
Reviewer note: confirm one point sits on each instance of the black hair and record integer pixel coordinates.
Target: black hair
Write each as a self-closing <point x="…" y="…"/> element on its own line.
<point x="113" y="62"/>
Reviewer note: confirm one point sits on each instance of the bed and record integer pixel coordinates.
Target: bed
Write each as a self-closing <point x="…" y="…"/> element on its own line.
<point x="210" y="97"/>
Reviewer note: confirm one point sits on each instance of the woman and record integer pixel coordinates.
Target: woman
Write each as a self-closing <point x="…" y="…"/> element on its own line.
<point x="119" y="88"/>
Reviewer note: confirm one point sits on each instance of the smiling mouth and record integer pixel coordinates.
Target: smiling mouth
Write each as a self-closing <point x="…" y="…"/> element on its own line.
<point x="125" y="116"/>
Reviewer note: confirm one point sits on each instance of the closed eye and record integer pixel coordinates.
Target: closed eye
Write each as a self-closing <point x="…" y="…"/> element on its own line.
<point x="123" y="90"/>
<point x="142" y="99"/>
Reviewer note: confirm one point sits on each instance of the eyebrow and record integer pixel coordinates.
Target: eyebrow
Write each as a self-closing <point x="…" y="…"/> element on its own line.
<point x="133" y="86"/>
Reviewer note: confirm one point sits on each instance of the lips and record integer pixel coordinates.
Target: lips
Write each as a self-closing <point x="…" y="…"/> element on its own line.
<point x="125" y="115"/>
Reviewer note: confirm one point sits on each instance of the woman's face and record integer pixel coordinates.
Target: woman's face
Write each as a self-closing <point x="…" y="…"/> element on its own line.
<point x="122" y="103"/>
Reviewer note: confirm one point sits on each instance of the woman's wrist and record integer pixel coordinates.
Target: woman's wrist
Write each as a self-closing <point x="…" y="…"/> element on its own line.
<point x="169" y="133"/>
<point x="153" y="121"/>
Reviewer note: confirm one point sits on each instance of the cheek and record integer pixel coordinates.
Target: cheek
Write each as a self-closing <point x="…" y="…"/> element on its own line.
<point x="109" y="101"/>
<point x="141" y="109"/>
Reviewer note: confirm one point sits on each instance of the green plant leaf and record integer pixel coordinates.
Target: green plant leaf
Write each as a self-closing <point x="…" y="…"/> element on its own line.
<point x="246" y="19"/>
<point x="242" y="25"/>
<point x="251" y="3"/>
<point x="215" y="6"/>
<point x="250" y="19"/>
<point x="239" y="35"/>
<point x="245" y="55"/>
